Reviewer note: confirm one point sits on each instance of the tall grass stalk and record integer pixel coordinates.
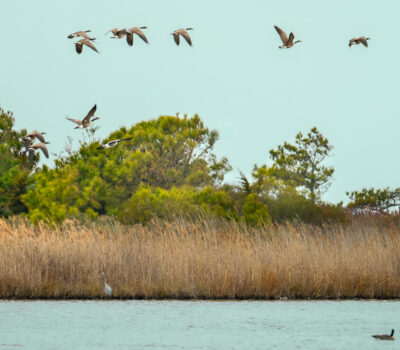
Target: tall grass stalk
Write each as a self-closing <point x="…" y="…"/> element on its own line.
<point x="203" y="259"/>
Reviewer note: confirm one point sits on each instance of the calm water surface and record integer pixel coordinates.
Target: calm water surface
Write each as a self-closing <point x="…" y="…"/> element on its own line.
<point x="197" y="324"/>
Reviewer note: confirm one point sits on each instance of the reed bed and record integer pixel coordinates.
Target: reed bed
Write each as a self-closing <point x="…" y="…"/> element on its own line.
<point x="204" y="259"/>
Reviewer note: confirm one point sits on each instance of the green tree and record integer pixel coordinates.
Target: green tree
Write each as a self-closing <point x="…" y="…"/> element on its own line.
<point x="284" y="202"/>
<point x="14" y="166"/>
<point x="254" y="211"/>
<point x="301" y="164"/>
<point x="374" y="200"/>
<point x="164" y="153"/>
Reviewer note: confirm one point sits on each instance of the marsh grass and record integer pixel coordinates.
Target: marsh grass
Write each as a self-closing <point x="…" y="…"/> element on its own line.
<point x="205" y="259"/>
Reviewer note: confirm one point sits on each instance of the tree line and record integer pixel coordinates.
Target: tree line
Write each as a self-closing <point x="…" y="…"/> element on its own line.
<point x="169" y="169"/>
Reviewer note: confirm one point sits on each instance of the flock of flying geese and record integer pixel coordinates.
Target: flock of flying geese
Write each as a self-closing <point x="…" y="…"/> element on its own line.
<point x="287" y="41"/>
<point x="122" y="33"/>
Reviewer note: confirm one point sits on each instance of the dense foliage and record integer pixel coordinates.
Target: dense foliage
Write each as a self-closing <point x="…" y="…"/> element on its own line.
<point x="14" y="166"/>
<point x="166" y="169"/>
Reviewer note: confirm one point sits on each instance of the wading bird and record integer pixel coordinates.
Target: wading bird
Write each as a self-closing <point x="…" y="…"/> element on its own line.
<point x="81" y="33"/>
<point x="37" y="146"/>
<point x="287" y="42"/>
<point x="385" y="336"/>
<point x="107" y="288"/>
<point x="138" y="32"/>
<point x="85" y="122"/>
<point x="184" y="33"/>
<point x="113" y="143"/>
<point x="358" y="41"/>
<point x="88" y="42"/>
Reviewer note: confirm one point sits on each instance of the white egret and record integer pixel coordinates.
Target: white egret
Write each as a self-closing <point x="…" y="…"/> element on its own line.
<point x="107" y="288"/>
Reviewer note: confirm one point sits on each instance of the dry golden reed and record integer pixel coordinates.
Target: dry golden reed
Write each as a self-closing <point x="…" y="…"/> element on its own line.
<point x="204" y="259"/>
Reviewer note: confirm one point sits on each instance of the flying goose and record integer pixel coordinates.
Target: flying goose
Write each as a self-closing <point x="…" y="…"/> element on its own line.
<point x="35" y="134"/>
<point x="138" y="32"/>
<point x="88" y="42"/>
<point x="81" y="33"/>
<point x="113" y="143"/>
<point x="36" y="146"/>
<point x="385" y="336"/>
<point x="31" y="136"/>
<point x="287" y="43"/>
<point x="117" y="33"/>
<point x="184" y="33"/>
<point x="359" y="40"/>
<point x="85" y="122"/>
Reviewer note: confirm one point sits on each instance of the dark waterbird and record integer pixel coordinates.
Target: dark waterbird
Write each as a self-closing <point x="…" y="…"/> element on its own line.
<point x="384" y="336"/>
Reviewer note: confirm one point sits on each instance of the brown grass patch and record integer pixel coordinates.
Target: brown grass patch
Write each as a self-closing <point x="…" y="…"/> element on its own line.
<point x="206" y="259"/>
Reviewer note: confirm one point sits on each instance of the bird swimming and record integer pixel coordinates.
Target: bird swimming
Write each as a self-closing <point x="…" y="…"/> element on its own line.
<point x="384" y="336"/>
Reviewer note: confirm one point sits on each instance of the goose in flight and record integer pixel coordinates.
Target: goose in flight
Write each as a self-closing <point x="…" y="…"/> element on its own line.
<point x="113" y="143"/>
<point x="81" y="33"/>
<point x="117" y="33"/>
<point x="359" y="40"/>
<point x="36" y="146"/>
<point x="138" y="32"/>
<point x="32" y="136"/>
<point x="287" y="42"/>
<point x="85" y="122"/>
<point x="183" y="32"/>
<point x="385" y="336"/>
<point x="88" y="42"/>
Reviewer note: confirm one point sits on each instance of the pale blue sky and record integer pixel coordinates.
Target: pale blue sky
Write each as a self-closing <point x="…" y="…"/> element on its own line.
<point x="256" y="95"/>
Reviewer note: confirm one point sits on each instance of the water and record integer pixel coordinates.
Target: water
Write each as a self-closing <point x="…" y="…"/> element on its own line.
<point x="197" y="324"/>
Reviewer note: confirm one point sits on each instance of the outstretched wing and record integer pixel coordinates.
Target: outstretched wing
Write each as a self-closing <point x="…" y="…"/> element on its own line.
<point x="364" y="41"/>
<point x="43" y="147"/>
<point x="176" y="38"/>
<point x="114" y="30"/>
<point x="88" y="43"/>
<point x="186" y="35"/>
<point x="291" y="38"/>
<point x="282" y="34"/>
<point x="82" y="34"/>
<point x="89" y="115"/>
<point x="76" y="121"/>
<point x="141" y="35"/>
<point x="39" y="136"/>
